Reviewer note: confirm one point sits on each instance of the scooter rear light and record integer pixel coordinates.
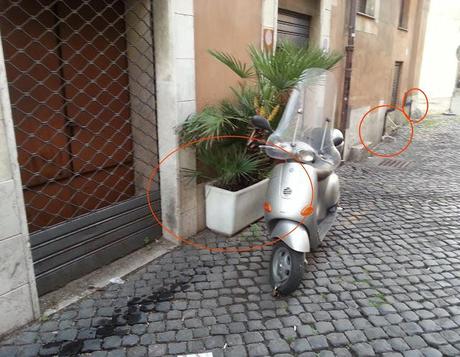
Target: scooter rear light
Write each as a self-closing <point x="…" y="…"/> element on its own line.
<point x="267" y="207"/>
<point x="306" y="211"/>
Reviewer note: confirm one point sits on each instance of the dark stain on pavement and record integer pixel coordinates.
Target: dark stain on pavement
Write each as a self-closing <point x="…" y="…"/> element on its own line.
<point x="134" y="313"/>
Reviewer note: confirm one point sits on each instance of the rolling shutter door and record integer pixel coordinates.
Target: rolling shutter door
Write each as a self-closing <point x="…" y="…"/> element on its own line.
<point x="293" y="27"/>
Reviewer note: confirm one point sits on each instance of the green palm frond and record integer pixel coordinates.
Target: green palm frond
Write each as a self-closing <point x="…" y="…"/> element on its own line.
<point x="243" y="70"/>
<point x="245" y="98"/>
<point x="209" y="122"/>
<point x="269" y="94"/>
<point x="283" y="69"/>
<point x="234" y="167"/>
<point x="241" y="109"/>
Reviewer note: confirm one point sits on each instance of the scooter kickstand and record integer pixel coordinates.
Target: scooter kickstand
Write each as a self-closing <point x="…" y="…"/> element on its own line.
<point x="275" y="292"/>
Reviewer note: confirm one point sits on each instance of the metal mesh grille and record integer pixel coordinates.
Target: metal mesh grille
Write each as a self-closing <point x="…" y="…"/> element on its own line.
<point x="81" y="84"/>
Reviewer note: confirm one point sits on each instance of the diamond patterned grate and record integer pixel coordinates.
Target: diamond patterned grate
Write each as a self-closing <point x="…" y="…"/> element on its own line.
<point x="81" y="83"/>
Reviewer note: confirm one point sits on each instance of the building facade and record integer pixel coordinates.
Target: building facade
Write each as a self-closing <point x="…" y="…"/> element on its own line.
<point x="386" y="60"/>
<point x="388" y="41"/>
<point x="91" y="99"/>
<point x="442" y="51"/>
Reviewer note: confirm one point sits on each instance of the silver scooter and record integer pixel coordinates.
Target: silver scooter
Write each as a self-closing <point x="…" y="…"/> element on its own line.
<point x="303" y="192"/>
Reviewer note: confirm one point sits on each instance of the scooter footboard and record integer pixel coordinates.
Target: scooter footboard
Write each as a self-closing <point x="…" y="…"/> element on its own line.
<point x="292" y="233"/>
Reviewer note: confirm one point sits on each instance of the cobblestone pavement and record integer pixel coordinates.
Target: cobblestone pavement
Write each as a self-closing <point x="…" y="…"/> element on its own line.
<point x="386" y="280"/>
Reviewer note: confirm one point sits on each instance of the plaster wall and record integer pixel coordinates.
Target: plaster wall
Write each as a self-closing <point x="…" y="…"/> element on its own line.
<point x="223" y="25"/>
<point x="379" y="44"/>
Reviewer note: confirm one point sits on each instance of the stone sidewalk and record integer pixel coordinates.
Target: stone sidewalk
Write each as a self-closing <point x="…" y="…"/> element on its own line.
<point x="386" y="280"/>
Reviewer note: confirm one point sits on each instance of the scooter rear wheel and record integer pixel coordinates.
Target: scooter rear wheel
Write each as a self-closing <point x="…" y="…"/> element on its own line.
<point x="286" y="269"/>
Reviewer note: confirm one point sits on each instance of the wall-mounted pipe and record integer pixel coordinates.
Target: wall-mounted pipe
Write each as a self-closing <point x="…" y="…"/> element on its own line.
<point x="349" y="48"/>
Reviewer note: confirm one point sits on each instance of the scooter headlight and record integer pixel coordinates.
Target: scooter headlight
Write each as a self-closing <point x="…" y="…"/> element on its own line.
<point x="306" y="156"/>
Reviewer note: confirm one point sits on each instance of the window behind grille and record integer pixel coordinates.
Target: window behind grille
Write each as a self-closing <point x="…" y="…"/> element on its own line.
<point x="396" y="81"/>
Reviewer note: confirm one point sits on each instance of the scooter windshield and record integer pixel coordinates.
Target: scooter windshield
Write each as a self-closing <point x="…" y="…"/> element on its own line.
<point x="308" y="118"/>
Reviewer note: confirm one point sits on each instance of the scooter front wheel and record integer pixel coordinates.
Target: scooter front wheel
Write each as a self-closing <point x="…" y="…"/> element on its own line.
<point x="286" y="269"/>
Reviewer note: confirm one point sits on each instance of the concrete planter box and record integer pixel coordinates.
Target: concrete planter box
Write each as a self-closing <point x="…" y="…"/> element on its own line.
<point x="228" y="212"/>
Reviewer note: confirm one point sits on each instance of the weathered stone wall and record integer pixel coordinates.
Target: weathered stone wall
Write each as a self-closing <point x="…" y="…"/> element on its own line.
<point x="176" y="99"/>
<point x="18" y="296"/>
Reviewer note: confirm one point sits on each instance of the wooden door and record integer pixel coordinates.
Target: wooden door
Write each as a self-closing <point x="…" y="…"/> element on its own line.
<point x="37" y="102"/>
<point x="96" y="75"/>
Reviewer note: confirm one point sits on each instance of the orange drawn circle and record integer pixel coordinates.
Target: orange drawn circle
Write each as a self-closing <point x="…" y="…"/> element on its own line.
<point x="415" y="89"/>
<point x="156" y="169"/>
<point x="409" y="141"/>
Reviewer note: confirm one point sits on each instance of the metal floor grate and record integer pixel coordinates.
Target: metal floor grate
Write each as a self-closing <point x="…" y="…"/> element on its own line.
<point x="394" y="163"/>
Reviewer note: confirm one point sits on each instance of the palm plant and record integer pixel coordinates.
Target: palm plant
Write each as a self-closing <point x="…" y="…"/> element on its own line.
<point x="268" y="81"/>
<point x="231" y="166"/>
<point x="273" y="75"/>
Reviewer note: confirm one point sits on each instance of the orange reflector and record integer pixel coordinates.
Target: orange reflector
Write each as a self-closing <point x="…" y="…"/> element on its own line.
<point x="267" y="207"/>
<point x="306" y="211"/>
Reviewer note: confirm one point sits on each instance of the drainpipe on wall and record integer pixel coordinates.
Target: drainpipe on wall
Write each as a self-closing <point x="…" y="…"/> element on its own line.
<point x="348" y="65"/>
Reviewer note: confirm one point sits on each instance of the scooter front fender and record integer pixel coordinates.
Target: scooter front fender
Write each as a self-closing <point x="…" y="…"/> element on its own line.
<point x="294" y="234"/>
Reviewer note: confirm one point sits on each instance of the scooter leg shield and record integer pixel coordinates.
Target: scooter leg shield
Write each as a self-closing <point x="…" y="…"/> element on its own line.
<point x="293" y="234"/>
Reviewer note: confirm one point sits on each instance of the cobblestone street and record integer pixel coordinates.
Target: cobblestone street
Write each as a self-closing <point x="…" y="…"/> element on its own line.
<point x="386" y="280"/>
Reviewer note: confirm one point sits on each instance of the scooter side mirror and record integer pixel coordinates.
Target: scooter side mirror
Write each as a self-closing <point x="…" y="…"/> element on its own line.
<point x="337" y="137"/>
<point x="261" y="123"/>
